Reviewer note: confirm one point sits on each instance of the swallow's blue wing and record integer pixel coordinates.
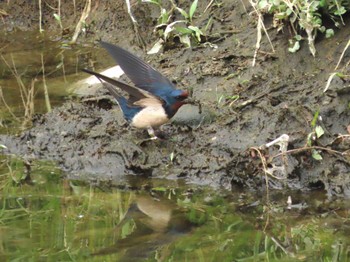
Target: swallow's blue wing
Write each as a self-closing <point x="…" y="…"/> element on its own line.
<point x="141" y="74"/>
<point x="134" y="92"/>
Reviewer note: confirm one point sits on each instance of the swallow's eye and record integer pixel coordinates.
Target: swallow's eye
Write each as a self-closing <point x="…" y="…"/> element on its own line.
<point x="180" y="97"/>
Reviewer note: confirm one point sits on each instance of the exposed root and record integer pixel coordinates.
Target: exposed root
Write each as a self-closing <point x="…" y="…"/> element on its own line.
<point x="81" y="22"/>
<point x="139" y="38"/>
<point x="260" y="27"/>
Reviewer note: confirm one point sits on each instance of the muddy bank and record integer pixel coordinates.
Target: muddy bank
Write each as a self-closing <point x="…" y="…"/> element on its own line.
<point x="280" y="95"/>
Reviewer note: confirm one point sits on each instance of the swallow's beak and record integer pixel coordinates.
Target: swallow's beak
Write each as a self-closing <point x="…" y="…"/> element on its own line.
<point x="195" y="102"/>
<point x="191" y="100"/>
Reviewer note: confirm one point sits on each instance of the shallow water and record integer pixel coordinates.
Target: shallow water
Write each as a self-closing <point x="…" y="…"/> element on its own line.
<point x="44" y="216"/>
<point x="50" y="218"/>
<point x="31" y="63"/>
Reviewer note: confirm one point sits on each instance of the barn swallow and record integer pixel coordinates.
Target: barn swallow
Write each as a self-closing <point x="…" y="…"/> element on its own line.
<point x="153" y="99"/>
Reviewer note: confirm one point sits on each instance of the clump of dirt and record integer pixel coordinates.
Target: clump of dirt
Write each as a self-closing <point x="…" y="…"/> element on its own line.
<point x="279" y="95"/>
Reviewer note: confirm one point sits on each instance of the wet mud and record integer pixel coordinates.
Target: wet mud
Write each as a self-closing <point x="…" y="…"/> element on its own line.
<point x="224" y="145"/>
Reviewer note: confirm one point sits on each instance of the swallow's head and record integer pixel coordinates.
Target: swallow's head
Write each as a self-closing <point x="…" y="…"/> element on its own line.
<point x="175" y="100"/>
<point x="179" y="95"/>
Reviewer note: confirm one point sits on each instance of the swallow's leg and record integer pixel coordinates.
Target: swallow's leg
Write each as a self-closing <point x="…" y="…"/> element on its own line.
<point x="151" y="133"/>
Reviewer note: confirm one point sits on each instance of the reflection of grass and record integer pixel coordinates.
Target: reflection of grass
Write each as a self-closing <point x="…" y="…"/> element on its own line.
<point x="27" y="94"/>
<point x="7" y="107"/>
<point x="54" y="218"/>
<point x="61" y="220"/>
<point x="228" y="235"/>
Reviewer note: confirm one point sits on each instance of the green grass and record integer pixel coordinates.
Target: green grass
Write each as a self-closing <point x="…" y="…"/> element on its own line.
<point x="305" y="18"/>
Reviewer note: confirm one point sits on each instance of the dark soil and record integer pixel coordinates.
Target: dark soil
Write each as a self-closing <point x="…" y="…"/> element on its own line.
<point x="279" y="95"/>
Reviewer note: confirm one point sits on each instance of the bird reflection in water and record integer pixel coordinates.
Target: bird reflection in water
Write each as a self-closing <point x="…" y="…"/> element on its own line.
<point x="157" y="222"/>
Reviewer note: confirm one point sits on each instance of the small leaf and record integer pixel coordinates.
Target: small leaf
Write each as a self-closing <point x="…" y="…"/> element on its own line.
<point x="167" y="31"/>
<point x="183" y="12"/>
<point x="197" y="31"/>
<point x="298" y="37"/>
<point x="316" y="155"/>
<point x="319" y="131"/>
<point x="164" y="17"/>
<point x="235" y="97"/>
<point x="156" y="2"/>
<point x="323" y="3"/>
<point x="183" y="30"/>
<point x="340" y="11"/>
<point x="262" y="4"/>
<point x="295" y="47"/>
<point x="329" y="33"/>
<point x="340" y="74"/>
<point x="160" y="26"/>
<point x="3" y="12"/>
<point x="172" y="156"/>
<point x="3" y="146"/>
<point x="156" y="47"/>
<point x="57" y="17"/>
<point x="309" y="139"/>
<point x="59" y="65"/>
<point x="185" y="39"/>
<point x="170" y="28"/>
<point x="193" y="9"/>
<point x="281" y="15"/>
<point x="220" y="99"/>
<point x="314" y="119"/>
<point x="159" y="189"/>
<point x="208" y="24"/>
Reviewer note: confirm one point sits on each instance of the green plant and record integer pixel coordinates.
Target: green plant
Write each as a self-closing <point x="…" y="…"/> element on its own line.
<point x="183" y="29"/>
<point x="172" y="157"/>
<point x="304" y="16"/>
<point x="17" y="171"/>
<point x="58" y="19"/>
<point x="27" y="93"/>
<point x="314" y="135"/>
<point x="225" y="99"/>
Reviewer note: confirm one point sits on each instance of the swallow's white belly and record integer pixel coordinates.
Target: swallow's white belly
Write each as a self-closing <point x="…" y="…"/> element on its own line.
<point x="150" y="116"/>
